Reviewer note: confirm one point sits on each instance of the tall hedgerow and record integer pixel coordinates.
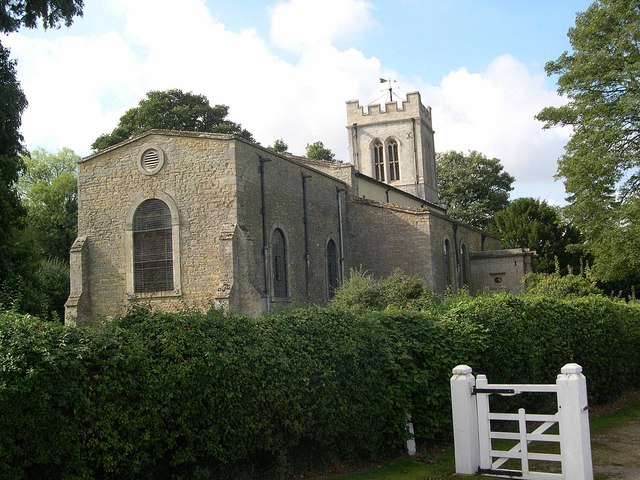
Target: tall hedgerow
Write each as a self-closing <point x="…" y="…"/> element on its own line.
<point x="212" y="395"/>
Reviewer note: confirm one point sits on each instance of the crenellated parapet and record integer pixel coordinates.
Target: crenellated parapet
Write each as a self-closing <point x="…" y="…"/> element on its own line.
<point x="412" y="107"/>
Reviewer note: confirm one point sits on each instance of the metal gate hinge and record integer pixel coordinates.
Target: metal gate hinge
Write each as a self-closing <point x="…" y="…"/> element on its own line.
<point x="492" y="390"/>
<point x="489" y="471"/>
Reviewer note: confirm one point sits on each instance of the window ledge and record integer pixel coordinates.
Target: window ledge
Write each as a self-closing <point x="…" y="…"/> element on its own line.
<point x="165" y="294"/>
<point x="280" y="300"/>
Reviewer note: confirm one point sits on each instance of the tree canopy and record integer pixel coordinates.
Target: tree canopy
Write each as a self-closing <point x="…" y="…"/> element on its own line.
<point x="171" y="110"/>
<point x="600" y="77"/>
<point x="18" y="259"/>
<point x="12" y="104"/>
<point x="534" y="224"/>
<point x="472" y="187"/>
<point x="17" y="13"/>
<point x="318" y="151"/>
<point x="279" y="146"/>
<point x="49" y="189"/>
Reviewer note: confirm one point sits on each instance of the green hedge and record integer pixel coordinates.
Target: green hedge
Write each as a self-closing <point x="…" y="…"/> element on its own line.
<point x="191" y="395"/>
<point x="530" y="338"/>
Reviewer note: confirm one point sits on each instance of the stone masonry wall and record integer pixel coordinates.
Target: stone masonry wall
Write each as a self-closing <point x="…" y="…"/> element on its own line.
<point x="385" y="238"/>
<point x="284" y="210"/>
<point x="198" y="175"/>
<point x="442" y="228"/>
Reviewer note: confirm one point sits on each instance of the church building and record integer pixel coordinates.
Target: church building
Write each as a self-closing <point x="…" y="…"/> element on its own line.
<point x="180" y="219"/>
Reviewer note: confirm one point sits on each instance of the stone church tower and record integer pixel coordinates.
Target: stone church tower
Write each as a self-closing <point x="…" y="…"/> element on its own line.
<point x="395" y="146"/>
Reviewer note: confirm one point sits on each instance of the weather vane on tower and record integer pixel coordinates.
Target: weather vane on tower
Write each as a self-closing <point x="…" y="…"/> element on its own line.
<point x="390" y="81"/>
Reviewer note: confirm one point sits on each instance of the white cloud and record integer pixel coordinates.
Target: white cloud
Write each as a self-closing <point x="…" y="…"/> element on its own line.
<point x="78" y="85"/>
<point x="300" y="24"/>
<point x="493" y="112"/>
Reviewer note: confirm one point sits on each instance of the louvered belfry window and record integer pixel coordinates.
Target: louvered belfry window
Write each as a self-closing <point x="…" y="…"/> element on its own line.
<point x="152" y="247"/>
<point x="394" y="161"/>
<point x="378" y="160"/>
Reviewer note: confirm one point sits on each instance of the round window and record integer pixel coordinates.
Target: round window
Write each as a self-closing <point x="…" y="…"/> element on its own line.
<point x="498" y="279"/>
<point x="151" y="160"/>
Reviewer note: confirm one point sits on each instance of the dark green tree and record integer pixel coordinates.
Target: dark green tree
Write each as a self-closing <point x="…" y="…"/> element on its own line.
<point x="18" y="259"/>
<point x="49" y="189"/>
<point x="318" y="151"/>
<point x="533" y="224"/>
<point x="600" y="77"/>
<point x="51" y="13"/>
<point x="171" y="110"/>
<point x="12" y="104"/>
<point x="279" y="146"/>
<point x="472" y="187"/>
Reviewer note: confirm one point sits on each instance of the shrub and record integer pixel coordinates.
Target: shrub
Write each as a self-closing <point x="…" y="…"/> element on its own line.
<point x="361" y="293"/>
<point x="556" y="285"/>
<point x="530" y="338"/>
<point x="41" y="398"/>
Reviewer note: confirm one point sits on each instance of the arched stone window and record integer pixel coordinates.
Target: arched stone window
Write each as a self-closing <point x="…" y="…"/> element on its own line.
<point x="393" y="160"/>
<point x="333" y="278"/>
<point x="279" y="265"/>
<point x="447" y="264"/>
<point x="152" y="247"/>
<point x="463" y="263"/>
<point x="378" y="160"/>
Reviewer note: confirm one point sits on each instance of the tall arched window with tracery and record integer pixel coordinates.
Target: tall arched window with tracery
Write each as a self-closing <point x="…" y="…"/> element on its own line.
<point x="394" y="161"/>
<point x="378" y="160"/>
<point x="447" y="264"/>
<point x="279" y="265"/>
<point x="152" y="247"/>
<point x="463" y="264"/>
<point x="333" y="277"/>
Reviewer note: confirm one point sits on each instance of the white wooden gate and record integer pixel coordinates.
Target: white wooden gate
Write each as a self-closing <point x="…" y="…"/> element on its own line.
<point x="475" y="450"/>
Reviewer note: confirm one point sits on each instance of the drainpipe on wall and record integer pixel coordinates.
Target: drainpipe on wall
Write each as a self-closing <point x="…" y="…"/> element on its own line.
<point x="386" y="192"/>
<point x="306" y="236"/>
<point x="455" y="246"/>
<point x="415" y="156"/>
<point x="263" y="215"/>
<point x="339" y="190"/>
<point x="355" y="146"/>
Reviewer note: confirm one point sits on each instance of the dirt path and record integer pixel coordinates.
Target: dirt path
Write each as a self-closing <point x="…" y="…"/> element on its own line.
<point x="616" y="451"/>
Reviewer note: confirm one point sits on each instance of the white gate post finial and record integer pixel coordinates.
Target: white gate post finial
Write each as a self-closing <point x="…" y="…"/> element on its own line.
<point x="465" y="420"/>
<point x="574" y="423"/>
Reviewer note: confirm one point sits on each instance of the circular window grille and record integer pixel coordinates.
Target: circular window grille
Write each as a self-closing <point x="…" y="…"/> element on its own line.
<point x="498" y="279"/>
<point x="151" y="161"/>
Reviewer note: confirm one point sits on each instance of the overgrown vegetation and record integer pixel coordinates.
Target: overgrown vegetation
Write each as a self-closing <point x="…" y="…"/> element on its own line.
<point x="214" y="395"/>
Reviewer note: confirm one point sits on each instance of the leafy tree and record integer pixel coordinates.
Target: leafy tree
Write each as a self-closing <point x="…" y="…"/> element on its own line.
<point x="12" y="104"/>
<point x="530" y="223"/>
<point x="279" y="146"/>
<point x="49" y="186"/>
<point x="171" y="110"/>
<point x="472" y="187"/>
<point x="16" y="267"/>
<point x="318" y="151"/>
<point x="17" y="13"/>
<point x="601" y="80"/>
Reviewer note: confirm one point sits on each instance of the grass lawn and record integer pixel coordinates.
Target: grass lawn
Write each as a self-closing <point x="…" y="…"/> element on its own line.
<point x="440" y="464"/>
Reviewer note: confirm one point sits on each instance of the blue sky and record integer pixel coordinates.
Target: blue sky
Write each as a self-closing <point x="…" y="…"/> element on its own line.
<point x="286" y="68"/>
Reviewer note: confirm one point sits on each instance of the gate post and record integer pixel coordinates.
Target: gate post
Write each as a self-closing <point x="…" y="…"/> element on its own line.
<point x="574" y="423"/>
<point x="465" y="421"/>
